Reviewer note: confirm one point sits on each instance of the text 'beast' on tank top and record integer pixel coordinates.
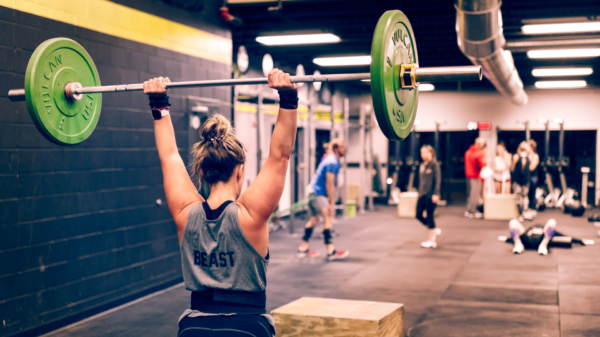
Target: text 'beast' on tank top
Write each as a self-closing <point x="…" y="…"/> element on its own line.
<point x="221" y="268"/>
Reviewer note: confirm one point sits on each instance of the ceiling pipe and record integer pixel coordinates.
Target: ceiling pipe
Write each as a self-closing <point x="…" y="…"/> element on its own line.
<point x="526" y="44"/>
<point x="480" y="38"/>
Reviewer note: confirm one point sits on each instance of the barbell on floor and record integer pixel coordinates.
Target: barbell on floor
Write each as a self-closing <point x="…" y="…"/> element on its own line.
<point x="62" y="85"/>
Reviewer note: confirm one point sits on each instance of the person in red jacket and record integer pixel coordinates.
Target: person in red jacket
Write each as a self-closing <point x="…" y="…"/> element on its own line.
<point x="475" y="160"/>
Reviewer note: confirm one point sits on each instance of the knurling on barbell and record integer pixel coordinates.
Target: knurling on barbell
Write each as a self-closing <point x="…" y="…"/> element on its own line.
<point x="63" y="90"/>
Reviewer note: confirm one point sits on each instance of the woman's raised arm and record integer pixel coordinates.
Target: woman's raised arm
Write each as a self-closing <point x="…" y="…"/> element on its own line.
<point x="179" y="189"/>
<point x="259" y="200"/>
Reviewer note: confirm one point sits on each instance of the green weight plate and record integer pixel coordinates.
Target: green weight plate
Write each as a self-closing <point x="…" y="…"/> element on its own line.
<point x="55" y="63"/>
<point x="393" y="45"/>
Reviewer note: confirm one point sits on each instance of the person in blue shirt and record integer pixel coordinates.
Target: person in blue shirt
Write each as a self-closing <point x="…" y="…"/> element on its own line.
<point x="322" y="201"/>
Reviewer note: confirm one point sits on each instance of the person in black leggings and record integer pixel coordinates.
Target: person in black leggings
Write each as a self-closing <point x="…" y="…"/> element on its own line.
<point x="430" y="178"/>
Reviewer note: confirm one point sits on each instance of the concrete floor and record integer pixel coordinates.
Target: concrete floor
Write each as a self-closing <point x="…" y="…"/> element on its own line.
<point x="471" y="285"/>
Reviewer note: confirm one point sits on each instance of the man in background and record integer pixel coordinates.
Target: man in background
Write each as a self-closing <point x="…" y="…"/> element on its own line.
<point x="475" y="160"/>
<point x="322" y="201"/>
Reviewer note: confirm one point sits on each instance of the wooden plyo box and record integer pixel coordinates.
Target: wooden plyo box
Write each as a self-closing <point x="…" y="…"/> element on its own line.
<point x="407" y="207"/>
<point x="500" y="207"/>
<point x="310" y="316"/>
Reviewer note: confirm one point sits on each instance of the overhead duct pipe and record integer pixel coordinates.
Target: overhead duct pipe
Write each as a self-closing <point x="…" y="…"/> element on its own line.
<point x="480" y="38"/>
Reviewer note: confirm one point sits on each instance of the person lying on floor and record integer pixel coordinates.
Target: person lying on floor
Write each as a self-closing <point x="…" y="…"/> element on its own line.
<point x="535" y="237"/>
<point x="539" y="237"/>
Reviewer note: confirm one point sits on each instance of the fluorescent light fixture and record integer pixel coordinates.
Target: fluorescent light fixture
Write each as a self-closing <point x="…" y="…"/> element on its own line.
<point x="343" y="61"/>
<point x="542" y="72"/>
<point x="562" y="53"/>
<point x="282" y="40"/>
<point x="579" y="27"/>
<point x="560" y="84"/>
<point x="426" y="87"/>
<point x="369" y="80"/>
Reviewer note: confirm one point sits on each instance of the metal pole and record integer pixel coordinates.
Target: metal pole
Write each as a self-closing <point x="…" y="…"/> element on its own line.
<point x="293" y="163"/>
<point x="311" y="141"/>
<point x="547" y="142"/>
<point x="331" y="131"/>
<point x="436" y="139"/>
<point x="527" y="133"/>
<point x="561" y="140"/>
<point x="371" y="160"/>
<point x="413" y="154"/>
<point x="259" y="127"/>
<point x="584" y="186"/>
<point x="361" y="163"/>
<point x="345" y="167"/>
<point x="397" y="166"/>
<point x="440" y="74"/>
<point x="549" y="181"/>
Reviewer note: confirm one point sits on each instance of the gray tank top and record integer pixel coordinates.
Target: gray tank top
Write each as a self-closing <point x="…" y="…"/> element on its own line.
<point x="215" y="254"/>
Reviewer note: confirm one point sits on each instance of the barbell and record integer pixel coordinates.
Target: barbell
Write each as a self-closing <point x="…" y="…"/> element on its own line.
<point x="63" y="90"/>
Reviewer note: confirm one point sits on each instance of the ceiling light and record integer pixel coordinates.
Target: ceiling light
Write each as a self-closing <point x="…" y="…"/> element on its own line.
<point x="426" y="87"/>
<point x="343" y="61"/>
<point x="368" y="80"/>
<point x="579" y="27"/>
<point x="559" y="84"/>
<point x="282" y="40"/>
<point x="560" y="53"/>
<point x="541" y="72"/>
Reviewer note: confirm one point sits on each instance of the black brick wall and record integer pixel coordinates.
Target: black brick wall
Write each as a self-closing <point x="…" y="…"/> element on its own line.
<point x="79" y="226"/>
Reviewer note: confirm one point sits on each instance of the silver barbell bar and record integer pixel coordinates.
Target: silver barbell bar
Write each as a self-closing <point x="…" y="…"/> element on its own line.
<point x="74" y="90"/>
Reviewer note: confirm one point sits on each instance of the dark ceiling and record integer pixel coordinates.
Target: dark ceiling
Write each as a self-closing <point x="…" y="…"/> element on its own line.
<point x="433" y="23"/>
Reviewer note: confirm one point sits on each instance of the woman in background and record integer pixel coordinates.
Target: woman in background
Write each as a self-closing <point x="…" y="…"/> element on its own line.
<point x="501" y="166"/>
<point x="520" y="177"/>
<point x="534" y="159"/>
<point x="430" y="179"/>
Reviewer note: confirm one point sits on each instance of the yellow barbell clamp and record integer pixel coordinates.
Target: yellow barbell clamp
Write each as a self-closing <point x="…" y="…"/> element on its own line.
<point x="412" y="68"/>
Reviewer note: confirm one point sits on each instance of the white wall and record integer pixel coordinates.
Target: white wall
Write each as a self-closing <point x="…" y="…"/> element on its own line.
<point x="245" y="129"/>
<point x="580" y="110"/>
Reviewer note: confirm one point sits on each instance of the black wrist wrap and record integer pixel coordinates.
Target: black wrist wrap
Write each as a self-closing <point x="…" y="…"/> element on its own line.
<point x="160" y="102"/>
<point x="288" y="99"/>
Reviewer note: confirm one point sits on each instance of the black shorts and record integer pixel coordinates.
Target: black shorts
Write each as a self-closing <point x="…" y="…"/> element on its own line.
<point x="531" y="241"/>
<point x="223" y="326"/>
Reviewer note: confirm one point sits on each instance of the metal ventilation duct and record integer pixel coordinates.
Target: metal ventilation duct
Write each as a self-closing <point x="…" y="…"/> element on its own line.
<point x="480" y="38"/>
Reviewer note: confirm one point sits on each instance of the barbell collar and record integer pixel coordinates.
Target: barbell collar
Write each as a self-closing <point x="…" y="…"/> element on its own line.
<point x="16" y="95"/>
<point x="437" y="74"/>
<point x="449" y="74"/>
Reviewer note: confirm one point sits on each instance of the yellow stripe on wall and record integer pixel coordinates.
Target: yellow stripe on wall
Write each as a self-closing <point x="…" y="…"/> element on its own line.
<point x="110" y="18"/>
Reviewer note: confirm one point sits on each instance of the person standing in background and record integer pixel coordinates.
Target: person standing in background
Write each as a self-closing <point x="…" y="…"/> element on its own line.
<point x="534" y="160"/>
<point x="475" y="160"/>
<point x="501" y="166"/>
<point x="430" y="178"/>
<point x="521" y="177"/>
<point x="322" y="202"/>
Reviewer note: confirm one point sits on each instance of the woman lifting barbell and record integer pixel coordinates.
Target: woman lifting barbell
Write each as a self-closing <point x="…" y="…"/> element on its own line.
<point x="224" y="239"/>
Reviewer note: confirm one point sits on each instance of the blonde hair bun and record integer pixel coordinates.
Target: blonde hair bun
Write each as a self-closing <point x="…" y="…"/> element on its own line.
<point x="219" y="151"/>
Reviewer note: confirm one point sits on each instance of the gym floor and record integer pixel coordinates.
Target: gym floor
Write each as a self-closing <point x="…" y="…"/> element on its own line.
<point x="471" y="285"/>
